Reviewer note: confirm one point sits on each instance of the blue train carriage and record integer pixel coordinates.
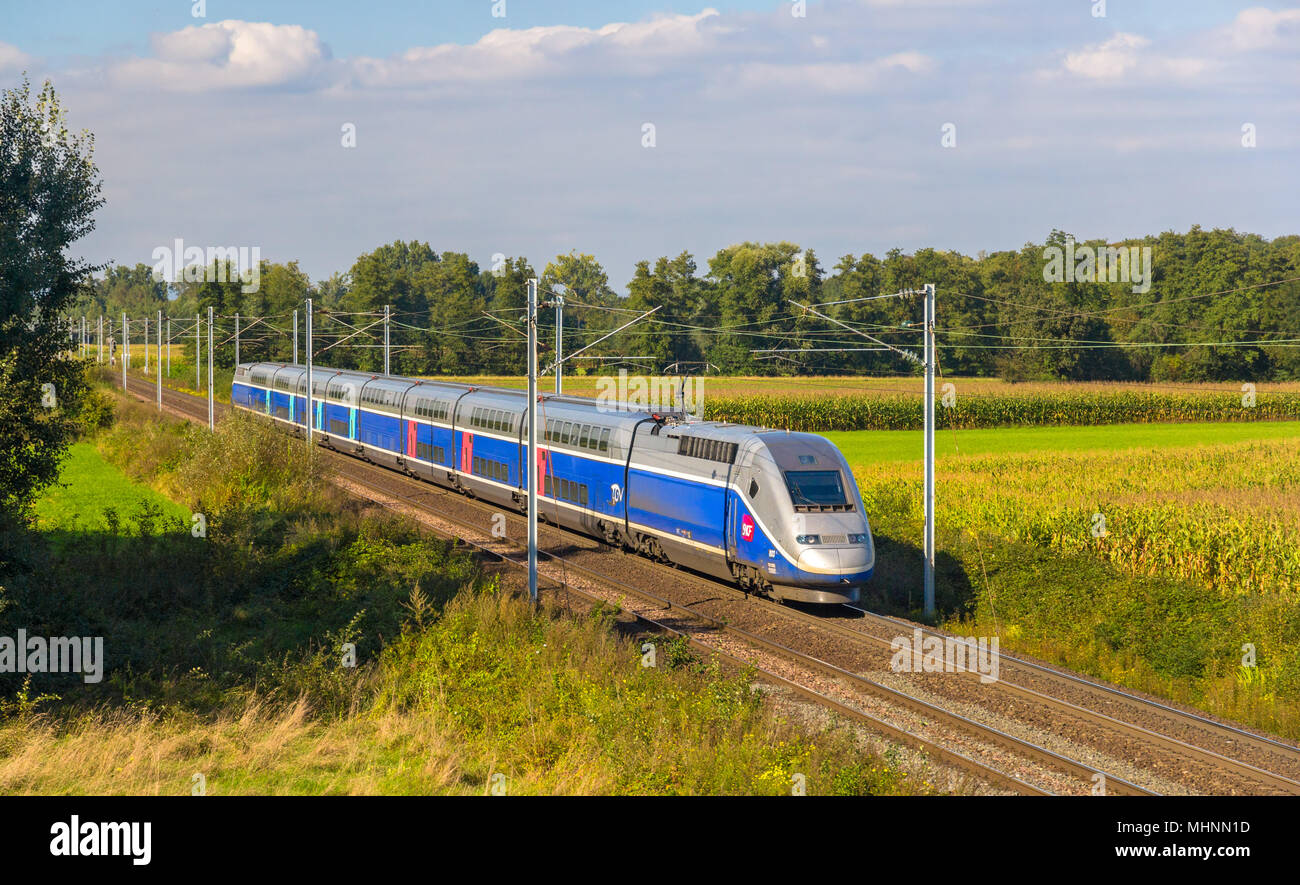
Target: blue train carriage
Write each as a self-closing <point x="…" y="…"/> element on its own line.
<point x="583" y="462"/>
<point x="269" y="388"/>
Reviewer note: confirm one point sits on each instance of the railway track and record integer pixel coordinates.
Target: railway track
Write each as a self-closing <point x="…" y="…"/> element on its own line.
<point x="1259" y="763"/>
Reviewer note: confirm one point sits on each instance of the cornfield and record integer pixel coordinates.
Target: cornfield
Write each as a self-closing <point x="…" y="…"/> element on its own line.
<point x="1064" y="407"/>
<point x="1226" y="516"/>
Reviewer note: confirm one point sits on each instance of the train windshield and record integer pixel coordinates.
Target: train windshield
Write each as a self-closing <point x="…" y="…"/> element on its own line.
<point x="815" y="487"/>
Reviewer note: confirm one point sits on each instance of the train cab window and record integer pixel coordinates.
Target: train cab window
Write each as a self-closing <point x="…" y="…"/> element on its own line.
<point x="815" y="487"/>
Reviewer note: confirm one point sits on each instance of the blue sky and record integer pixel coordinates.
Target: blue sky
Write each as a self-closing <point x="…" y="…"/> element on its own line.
<point x="524" y="134"/>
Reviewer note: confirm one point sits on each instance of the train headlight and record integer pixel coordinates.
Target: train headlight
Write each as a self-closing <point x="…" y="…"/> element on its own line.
<point x="858" y="539"/>
<point x="807" y="539"/>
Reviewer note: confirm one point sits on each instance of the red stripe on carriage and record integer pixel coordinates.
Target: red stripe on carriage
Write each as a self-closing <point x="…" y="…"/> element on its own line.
<point x="410" y="438"/>
<point x="466" y="451"/>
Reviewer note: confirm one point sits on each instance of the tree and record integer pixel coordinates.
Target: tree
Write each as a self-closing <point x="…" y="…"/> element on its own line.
<point x="507" y="352"/>
<point x="582" y="281"/>
<point x="49" y="191"/>
<point x="753" y="283"/>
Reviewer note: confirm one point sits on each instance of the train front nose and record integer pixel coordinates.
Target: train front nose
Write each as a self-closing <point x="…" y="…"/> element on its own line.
<point x="852" y="563"/>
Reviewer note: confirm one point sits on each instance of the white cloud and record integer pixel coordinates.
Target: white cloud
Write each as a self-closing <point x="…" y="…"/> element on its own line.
<point x="12" y="58"/>
<point x="1260" y="28"/>
<point x="1129" y="56"/>
<point x="507" y="53"/>
<point x="1109" y="60"/>
<point x="227" y="54"/>
<point x="833" y="77"/>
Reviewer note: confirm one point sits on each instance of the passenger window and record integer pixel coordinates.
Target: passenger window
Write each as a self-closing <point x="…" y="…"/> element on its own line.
<point x="604" y="440"/>
<point x="584" y="434"/>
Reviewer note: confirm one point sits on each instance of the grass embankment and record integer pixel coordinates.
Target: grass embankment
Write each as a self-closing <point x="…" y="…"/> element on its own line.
<point x="225" y="654"/>
<point x="1198" y="556"/>
<point x="91" y="492"/>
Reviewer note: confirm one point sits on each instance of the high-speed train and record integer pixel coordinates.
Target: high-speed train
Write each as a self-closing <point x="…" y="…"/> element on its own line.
<point x="776" y="512"/>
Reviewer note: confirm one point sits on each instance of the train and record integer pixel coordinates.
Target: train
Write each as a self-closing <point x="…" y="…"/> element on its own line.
<point x="774" y="512"/>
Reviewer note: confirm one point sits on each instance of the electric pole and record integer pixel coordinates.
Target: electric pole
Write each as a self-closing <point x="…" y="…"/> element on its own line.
<point x="532" y="441"/>
<point x="931" y="358"/>
<point x="559" y="343"/>
<point x="311" y="407"/>
<point x="212" y="411"/>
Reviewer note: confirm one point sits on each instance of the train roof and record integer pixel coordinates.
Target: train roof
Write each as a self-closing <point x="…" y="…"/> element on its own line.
<point x="552" y="403"/>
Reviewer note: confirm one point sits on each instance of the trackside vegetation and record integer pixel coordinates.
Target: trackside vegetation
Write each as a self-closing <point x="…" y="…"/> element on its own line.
<point x="225" y="651"/>
<point x="1172" y="570"/>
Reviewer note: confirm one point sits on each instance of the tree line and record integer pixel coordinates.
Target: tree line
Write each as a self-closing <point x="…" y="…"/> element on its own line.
<point x="1212" y="305"/>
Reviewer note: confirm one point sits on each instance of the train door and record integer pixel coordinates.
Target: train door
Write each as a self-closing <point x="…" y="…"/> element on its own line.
<point x="734" y="526"/>
<point x="729" y="526"/>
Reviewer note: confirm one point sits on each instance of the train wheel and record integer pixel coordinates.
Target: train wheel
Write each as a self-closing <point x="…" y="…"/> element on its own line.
<point x="609" y="532"/>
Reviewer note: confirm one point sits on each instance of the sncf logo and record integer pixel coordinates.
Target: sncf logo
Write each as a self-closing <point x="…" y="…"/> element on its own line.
<point x="747" y="527"/>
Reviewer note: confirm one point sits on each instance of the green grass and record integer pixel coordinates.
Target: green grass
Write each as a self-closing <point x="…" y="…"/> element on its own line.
<point x="877" y="446"/>
<point x="87" y="487"/>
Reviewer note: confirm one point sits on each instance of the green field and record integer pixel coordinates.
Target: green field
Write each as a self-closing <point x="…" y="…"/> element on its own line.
<point x="876" y="446"/>
<point x="89" y="486"/>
